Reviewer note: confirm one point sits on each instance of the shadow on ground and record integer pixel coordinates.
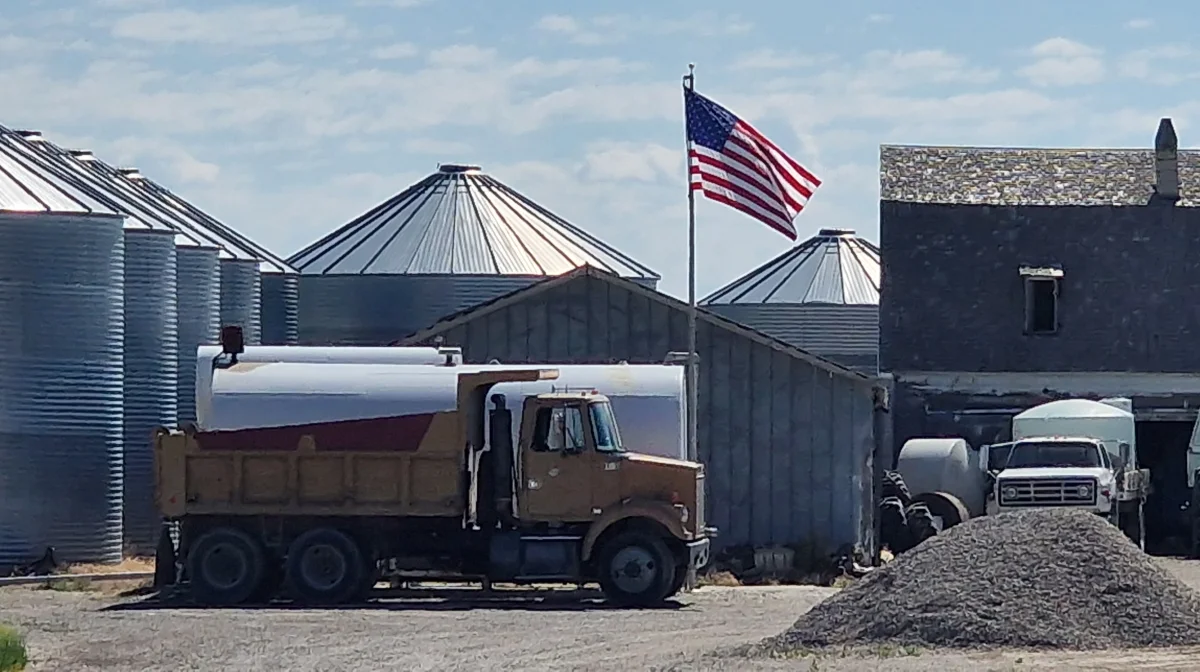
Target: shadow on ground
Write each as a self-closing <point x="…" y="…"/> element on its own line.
<point x="417" y="599"/>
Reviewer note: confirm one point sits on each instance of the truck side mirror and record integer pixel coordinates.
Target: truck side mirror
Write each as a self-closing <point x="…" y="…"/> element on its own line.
<point x="232" y="341"/>
<point x="1126" y="453"/>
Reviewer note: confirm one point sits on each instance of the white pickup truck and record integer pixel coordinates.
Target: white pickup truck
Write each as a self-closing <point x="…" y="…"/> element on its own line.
<point x="1071" y="453"/>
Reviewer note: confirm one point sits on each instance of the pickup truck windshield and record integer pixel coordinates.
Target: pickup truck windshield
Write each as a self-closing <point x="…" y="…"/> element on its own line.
<point x="1055" y="454"/>
<point x="604" y="425"/>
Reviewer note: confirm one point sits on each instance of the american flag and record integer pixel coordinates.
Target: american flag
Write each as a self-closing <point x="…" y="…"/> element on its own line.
<point x="732" y="163"/>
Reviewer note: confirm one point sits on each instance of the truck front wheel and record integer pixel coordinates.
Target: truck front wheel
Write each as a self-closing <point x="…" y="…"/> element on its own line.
<point x="636" y="569"/>
<point x="225" y="567"/>
<point x="324" y="566"/>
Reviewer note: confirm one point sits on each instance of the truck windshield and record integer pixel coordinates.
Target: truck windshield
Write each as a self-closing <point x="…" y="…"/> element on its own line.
<point x="1055" y="454"/>
<point x="604" y="425"/>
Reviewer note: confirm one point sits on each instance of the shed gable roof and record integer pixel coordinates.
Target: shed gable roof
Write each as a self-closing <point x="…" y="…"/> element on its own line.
<point x="584" y="272"/>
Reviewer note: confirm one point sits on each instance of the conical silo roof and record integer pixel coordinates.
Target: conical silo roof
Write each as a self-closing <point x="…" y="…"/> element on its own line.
<point x="25" y="187"/>
<point x="834" y="267"/>
<point x="461" y="221"/>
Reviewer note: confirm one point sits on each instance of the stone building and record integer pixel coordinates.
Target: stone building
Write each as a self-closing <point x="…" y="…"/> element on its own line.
<point x="1016" y="276"/>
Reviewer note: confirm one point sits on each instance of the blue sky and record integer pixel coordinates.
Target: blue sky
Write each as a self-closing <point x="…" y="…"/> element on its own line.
<point x="286" y="120"/>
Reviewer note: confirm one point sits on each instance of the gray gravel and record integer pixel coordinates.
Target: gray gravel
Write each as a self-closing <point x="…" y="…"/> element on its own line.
<point x="1032" y="580"/>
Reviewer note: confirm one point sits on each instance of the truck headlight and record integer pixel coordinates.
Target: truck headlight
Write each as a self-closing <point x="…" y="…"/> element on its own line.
<point x="1009" y="492"/>
<point x="1084" y="491"/>
<point x="684" y="514"/>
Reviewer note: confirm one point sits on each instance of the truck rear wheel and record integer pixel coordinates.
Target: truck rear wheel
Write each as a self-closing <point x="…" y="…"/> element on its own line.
<point x="225" y="567"/>
<point x="324" y="566"/>
<point x="636" y="569"/>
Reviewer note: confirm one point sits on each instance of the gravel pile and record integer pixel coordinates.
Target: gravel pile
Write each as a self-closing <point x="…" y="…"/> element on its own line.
<point x="1036" y="579"/>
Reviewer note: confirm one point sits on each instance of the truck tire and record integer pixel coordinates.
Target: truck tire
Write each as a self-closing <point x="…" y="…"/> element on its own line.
<point x="920" y="523"/>
<point x="225" y="567"/>
<point x="324" y="566"/>
<point x="636" y="569"/>
<point x="894" y="486"/>
<point x="893" y="527"/>
<point x="945" y="506"/>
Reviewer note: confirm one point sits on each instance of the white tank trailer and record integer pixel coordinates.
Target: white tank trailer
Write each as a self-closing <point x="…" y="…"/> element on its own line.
<point x="649" y="399"/>
<point x="1074" y="453"/>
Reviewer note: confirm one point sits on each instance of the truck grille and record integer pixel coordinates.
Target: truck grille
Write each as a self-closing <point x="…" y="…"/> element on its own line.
<point x="1047" y="492"/>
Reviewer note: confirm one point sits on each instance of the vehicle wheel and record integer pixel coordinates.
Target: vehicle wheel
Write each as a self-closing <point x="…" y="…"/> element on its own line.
<point x="225" y="567"/>
<point x="893" y="527"/>
<point x="324" y="566"/>
<point x="685" y="579"/>
<point x="946" y="508"/>
<point x="920" y="523"/>
<point x="894" y="486"/>
<point x="636" y="569"/>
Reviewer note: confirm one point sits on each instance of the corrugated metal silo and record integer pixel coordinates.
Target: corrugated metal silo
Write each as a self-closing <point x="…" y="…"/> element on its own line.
<point x="61" y="376"/>
<point x="241" y="298"/>
<point x="822" y="296"/>
<point x="453" y="240"/>
<point x="198" y="284"/>
<point x="280" y="309"/>
<point x="151" y="364"/>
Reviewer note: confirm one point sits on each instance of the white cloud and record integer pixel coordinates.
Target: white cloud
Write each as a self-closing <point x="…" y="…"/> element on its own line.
<point x="1167" y="64"/>
<point x="1139" y="24"/>
<point x="395" y="51"/>
<point x="444" y="148"/>
<point x="642" y="162"/>
<point x="1063" y="62"/>
<point x="239" y="25"/>
<point x="771" y="59"/>
<point x="397" y="4"/>
<point x="879" y="18"/>
<point x="610" y="29"/>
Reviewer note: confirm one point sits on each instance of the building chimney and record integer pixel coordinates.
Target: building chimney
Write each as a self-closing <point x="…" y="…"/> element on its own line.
<point x="1166" y="162"/>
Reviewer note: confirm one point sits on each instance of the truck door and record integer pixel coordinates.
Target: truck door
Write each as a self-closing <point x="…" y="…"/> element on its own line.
<point x="557" y="460"/>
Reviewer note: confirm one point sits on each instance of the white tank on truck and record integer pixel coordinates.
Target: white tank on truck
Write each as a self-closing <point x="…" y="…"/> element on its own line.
<point x="1075" y="453"/>
<point x="650" y="398"/>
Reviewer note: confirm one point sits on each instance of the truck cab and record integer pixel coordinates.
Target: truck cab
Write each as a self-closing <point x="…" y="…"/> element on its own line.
<point x="1055" y="471"/>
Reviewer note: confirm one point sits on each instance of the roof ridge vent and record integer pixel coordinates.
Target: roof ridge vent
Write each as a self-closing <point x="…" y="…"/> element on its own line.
<point x="458" y="168"/>
<point x="130" y="173"/>
<point x="82" y="154"/>
<point x="836" y="232"/>
<point x="30" y="135"/>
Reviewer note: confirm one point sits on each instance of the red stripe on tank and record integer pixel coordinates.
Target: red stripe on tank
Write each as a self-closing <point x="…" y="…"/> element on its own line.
<point x="401" y="433"/>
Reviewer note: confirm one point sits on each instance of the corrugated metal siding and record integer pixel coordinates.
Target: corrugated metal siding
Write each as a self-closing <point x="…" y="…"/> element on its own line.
<point x="788" y="446"/>
<point x="198" y="286"/>
<point x="61" y="391"/>
<point x="280" y="309"/>
<point x="824" y="330"/>
<point x="151" y="377"/>
<point x="241" y="298"/>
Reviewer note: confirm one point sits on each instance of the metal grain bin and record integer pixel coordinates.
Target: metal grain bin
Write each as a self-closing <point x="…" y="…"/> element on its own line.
<point x="198" y="288"/>
<point x="151" y="364"/>
<point x="61" y="406"/>
<point x="280" y="309"/>
<point x="241" y="298"/>
<point x="454" y="240"/>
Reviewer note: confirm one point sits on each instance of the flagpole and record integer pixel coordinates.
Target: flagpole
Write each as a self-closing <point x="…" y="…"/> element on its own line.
<point x="689" y="83"/>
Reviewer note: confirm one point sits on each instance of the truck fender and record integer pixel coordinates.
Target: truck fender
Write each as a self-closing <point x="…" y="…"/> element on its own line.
<point x="660" y="512"/>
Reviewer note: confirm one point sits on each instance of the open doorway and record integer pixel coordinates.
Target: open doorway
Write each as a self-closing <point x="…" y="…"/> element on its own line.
<point x="1162" y="448"/>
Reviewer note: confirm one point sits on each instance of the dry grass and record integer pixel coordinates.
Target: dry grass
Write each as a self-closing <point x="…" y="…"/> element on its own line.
<point x="722" y="579"/>
<point x="108" y="588"/>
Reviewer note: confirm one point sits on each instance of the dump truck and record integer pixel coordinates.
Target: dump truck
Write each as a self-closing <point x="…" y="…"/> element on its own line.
<point x="650" y="399"/>
<point x="439" y="483"/>
<point x="1069" y="453"/>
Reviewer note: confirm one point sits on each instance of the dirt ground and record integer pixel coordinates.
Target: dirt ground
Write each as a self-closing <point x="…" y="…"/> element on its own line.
<point x="75" y="627"/>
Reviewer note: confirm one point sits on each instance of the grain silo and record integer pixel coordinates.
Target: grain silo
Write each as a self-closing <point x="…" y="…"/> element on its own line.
<point x="453" y="240"/>
<point x="258" y="289"/>
<point x="61" y="391"/>
<point x="821" y="295"/>
<point x="151" y="345"/>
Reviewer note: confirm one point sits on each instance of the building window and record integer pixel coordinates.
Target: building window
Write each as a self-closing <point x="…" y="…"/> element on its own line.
<point x="1041" y="299"/>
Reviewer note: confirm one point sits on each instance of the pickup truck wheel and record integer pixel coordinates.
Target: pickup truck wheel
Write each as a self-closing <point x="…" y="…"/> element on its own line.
<point x="225" y="567"/>
<point x="636" y="569"/>
<point x="324" y="566"/>
<point x="920" y="523"/>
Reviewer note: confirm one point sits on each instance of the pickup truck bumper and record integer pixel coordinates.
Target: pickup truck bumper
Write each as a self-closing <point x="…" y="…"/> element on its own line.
<point x="698" y="550"/>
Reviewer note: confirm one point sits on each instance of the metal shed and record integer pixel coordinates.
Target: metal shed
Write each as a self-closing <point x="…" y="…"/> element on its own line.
<point x="821" y="295"/>
<point x="455" y="239"/>
<point x="788" y="438"/>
